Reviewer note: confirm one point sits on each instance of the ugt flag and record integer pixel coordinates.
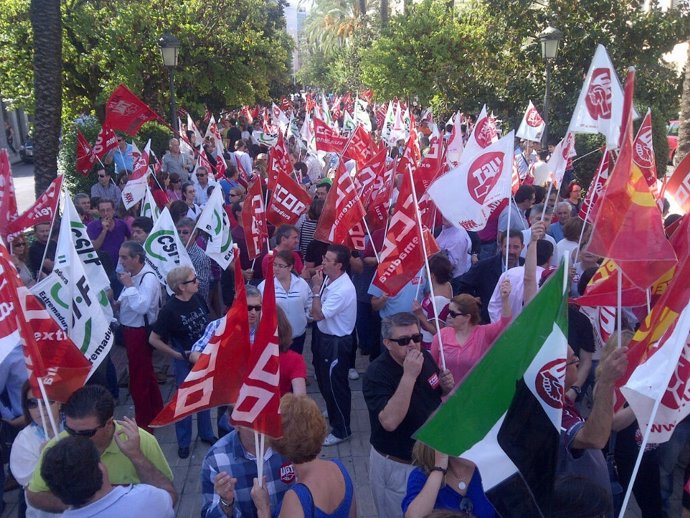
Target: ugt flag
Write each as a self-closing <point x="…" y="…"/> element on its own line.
<point x="532" y="125"/>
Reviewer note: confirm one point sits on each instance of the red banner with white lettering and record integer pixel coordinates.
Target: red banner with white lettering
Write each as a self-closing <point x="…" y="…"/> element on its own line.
<point x="124" y="111"/>
<point x="402" y="255"/>
<point x="348" y="207"/>
<point x="106" y="141"/>
<point x="8" y="200"/>
<point x="678" y="186"/>
<point x="42" y="211"/>
<point x="288" y="201"/>
<point x="85" y="157"/>
<point x="258" y="405"/>
<point x="254" y="220"/>
<point x="326" y="138"/>
<point x="217" y="375"/>
<point x="359" y="148"/>
<point x="365" y="180"/>
<point x="278" y="161"/>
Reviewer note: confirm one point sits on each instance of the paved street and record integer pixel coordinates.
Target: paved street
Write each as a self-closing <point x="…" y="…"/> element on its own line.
<point x="23" y="175"/>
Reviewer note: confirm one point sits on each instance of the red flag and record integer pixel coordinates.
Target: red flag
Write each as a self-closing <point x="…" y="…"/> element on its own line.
<point x="348" y="207"/>
<point x="258" y="404"/>
<point x="628" y="226"/>
<point x="402" y="256"/>
<point x="366" y="95"/>
<point x="381" y="115"/>
<point x="310" y="103"/>
<point x="8" y="200"/>
<point x="278" y="161"/>
<point x="678" y="186"/>
<point x="326" y="139"/>
<point x="365" y="180"/>
<point x="377" y="211"/>
<point x="288" y="201"/>
<point x="285" y="104"/>
<point x="335" y="109"/>
<point x="602" y="289"/>
<point x="141" y="165"/>
<point x="42" y="211"/>
<point x="359" y="147"/>
<point x="85" y="157"/>
<point x="664" y="315"/>
<point x="217" y="375"/>
<point x="254" y="220"/>
<point x="643" y="155"/>
<point x="124" y="111"/>
<point x="105" y="141"/>
<point x="595" y="189"/>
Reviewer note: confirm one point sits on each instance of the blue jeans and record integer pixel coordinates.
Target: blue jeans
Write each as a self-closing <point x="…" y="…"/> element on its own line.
<point x="668" y="457"/>
<point x="183" y="427"/>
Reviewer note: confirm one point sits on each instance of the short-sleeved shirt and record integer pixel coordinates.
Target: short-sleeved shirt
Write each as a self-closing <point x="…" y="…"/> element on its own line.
<point x="381" y="380"/>
<point x="401" y="301"/>
<point x="111" y="192"/>
<point x="113" y="239"/>
<point x="138" y="500"/>
<point x="339" y="306"/>
<point x="292" y="367"/>
<point x="181" y="323"/>
<point x="121" y="471"/>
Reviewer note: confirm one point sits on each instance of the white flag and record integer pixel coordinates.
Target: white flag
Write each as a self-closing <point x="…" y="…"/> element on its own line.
<point x="559" y="159"/>
<point x="468" y="194"/>
<point x="149" y="208"/>
<point x="192" y="127"/>
<point x="349" y="123"/>
<point x="325" y="111"/>
<point x="455" y="146"/>
<point x="388" y="123"/>
<point x="483" y="134"/>
<point x="532" y="125"/>
<point x="215" y="222"/>
<point x="398" y="131"/>
<point x="599" y="108"/>
<point x="663" y="377"/>
<point x="75" y="305"/>
<point x="361" y="114"/>
<point x="164" y="249"/>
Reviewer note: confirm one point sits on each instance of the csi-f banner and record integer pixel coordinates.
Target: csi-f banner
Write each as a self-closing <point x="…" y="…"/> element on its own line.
<point x="164" y="249"/>
<point x="42" y="211"/>
<point x="216" y="223"/>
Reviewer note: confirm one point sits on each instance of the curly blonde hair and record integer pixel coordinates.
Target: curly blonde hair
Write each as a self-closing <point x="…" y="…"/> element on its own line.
<point x="304" y="429"/>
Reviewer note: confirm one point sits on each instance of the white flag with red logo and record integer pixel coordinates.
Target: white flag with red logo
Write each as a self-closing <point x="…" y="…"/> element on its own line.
<point x="43" y="210"/>
<point x="532" y="125"/>
<point x="279" y="117"/>
<point x="258" y="405"/>
<point x="467" y="195"/>
<point x="288" y="201"/>
<point x="402" y="255"/>
<point x="560" y="157"/>
<point x="212" y="131"/>
<point x="216" y="377"/>
<point x="599" y="108"/>
<point x="254" y="220"/>
<point x="595" y="189"/>
<point x="135" y="189"/>
<point x="192" y="127"/>
<point x="643" y="155"/>
<point x="483" y="134"/>
<point x="455" y="146"/>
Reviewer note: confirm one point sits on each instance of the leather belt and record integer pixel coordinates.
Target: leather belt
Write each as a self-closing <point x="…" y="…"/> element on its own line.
<point x="394" y="458"/>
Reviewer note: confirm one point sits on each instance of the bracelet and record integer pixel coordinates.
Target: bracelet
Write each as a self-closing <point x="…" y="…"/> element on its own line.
<point x="225" y="503"/>
<point x="576" y="389"/>
<point x="316" y="295"/>
<point x="438" y="468"/>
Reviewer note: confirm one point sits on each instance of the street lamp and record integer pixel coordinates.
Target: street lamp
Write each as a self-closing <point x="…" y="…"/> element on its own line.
<point x="549" y="50"/>
<point x="170" y="47"/>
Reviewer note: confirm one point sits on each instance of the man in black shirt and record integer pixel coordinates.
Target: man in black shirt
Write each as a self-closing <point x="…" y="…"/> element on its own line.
<point x="402" y="387"/>
<point x="37" y="251"/>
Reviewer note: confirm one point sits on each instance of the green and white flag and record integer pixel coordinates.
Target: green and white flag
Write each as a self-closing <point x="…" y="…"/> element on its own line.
<point x="164" y="249"/>
<point x="388" y="123"/>
<point x="349" y="123"/>
<point x="73" y="301"/>
<point x="149" y="208"/>
<point x="326" y="112"/>
<point x="294" y="132"/>
<point x="215" y="222"/>
<point x="505" y="416"/>
<point x="361" y="114"/>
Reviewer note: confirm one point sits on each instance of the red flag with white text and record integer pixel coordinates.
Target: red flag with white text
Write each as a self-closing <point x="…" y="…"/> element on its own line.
<point x="8" y="199"/>
<point x="326" y="138"/>
<point x="288" y="201"/>
<point x="365" y="179"/>
<point x="85" y="157"/>
<point x="254" y="220"/>
<point x="42" y="211"/>
<point x="678" y="186"/>
<point x="258" y="404"/>
<point x="216" y="377"/>
<point x="106" y="141"/>
<point x="124" y="111"/>
<point x="278" y="161"/>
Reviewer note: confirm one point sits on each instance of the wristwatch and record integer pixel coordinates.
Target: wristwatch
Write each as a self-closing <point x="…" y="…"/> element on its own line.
<point x="225" y="503"/>
<point x="439" y="468"/>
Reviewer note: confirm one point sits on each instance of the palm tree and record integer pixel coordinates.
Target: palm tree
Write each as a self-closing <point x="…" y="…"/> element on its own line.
<point x="332" y="23"/>
<point x="684" y="129"/>
<point x="47" y="32"/>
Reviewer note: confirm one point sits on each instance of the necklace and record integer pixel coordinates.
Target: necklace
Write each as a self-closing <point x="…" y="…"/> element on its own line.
<point x="462" y="485"/>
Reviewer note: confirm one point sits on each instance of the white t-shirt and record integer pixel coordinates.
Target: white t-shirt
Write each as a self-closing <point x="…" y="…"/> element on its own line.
<point x="339" y="307"/>
<point x="516" y="276"/>
<point x="133" y="501"/>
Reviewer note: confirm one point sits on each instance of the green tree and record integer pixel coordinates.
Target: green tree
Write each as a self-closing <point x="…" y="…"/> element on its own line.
<point x="684" y="130"/>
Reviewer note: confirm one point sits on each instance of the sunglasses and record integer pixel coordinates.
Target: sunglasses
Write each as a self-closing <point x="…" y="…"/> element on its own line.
<point x="33" y="403"/>
<point x="456" y="313"/>
<point x="18" y="244"/>
<point x="405" y="340"/>
<point x="175" y="181"/>
<point x="234" y="194"/>
<point x="254" y="308"/>
<point x="101" y="176"/>
<point x="83" y="433"/>
<point x="191" y="281"/>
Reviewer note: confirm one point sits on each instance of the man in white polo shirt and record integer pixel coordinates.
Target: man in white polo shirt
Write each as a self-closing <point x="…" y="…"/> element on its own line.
<point x="334" y="308"/>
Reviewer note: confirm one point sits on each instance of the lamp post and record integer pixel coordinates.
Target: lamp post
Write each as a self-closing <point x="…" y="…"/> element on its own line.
<point x="549" y="50"/>
<point x="170" y="47"/>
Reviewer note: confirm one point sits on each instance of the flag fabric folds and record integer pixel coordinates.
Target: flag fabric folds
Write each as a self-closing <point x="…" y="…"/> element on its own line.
<point x="532" y="125"/>
<point x="288" y="201"/>
<point x="216" y="223"/>
<point x="678" y="186"/>
<point x="43" y="210"/>
<point x="8" y="199"/>
<point x="513" y="435"/>
<point x="124" y="111"/>
<point x="254" y="220"/>
<point x="164" y="248"/>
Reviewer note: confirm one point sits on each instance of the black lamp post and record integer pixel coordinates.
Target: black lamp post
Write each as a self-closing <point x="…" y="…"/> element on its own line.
<point x="170" y="47"/>
<point x="549" y="50"/>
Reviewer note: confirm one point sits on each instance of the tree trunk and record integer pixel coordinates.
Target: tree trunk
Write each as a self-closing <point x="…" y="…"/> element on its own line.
<point x="47" y="32"/>
<point x="384" y="12"/>
<point x="362" y="7"/>
<point x="684" y="129"/>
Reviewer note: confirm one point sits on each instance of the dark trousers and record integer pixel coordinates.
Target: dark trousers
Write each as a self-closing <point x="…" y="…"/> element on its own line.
<point x="142" y="382"/>
<point x="368" y="327"/>
<point x="298" y="343"/>
<point x="331" y="358"/>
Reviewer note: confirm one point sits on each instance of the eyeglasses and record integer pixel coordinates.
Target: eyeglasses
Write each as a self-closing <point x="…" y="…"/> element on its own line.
<point x="574" y="361"/>
<point x="101" y="176"/>
<point x="18" y="244"/>
<point x="200" y="175"/>
<point x="191" y="281"/>
<point x="33" y="403"/>
<point x="281" y="266"/>
<point x="405" y="340"/>
<point x="83" y="433"/>
<point x="256" y="308"/>
<point x="457" y="313"/>
<point x="234" y="194"/>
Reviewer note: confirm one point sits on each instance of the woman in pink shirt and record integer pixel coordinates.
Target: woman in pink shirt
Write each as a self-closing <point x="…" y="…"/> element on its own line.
<point x="464" y="341"/>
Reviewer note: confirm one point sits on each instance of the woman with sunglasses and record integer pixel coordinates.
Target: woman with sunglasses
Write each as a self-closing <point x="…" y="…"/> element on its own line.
<point x="464" y="340"/>
<point x="174" y="190"/>
<point x="20" y="255"/>
<point x="27" y="446"/>
<point x="181" y="322"/>
<point x="440" y="482"/>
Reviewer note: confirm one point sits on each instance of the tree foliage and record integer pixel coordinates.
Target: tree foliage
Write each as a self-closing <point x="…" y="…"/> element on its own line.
<point x="232" y="52"/>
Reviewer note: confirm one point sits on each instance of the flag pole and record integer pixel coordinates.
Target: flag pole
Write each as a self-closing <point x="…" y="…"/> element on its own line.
<point x="510" y="210"/>
<point x="371" y="239"/>
<point x="619" y="304"/>
<point x="432" y="296"/>
<point x="648" y="293"/>
<point x="50" y="234"/>
<point x="42" y="388"/>
<point x="258" y="446"/>
<point x="589" y="209"/>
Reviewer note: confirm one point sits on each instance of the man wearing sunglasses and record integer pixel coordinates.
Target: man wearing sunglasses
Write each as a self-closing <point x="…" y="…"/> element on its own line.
<point x="401" y="387"/>
<point x="129" y="454"/>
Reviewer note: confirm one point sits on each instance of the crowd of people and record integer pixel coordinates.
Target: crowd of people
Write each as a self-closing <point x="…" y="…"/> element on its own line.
<point x="421" y="343"/>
